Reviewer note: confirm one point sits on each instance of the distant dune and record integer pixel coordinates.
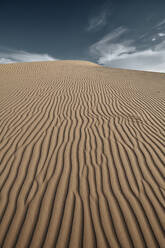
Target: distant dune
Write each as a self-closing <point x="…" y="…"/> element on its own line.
<point x="82" y="152"/>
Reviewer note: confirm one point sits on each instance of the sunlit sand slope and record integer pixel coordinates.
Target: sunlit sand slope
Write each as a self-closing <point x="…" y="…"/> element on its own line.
<point x="82" y="152"/>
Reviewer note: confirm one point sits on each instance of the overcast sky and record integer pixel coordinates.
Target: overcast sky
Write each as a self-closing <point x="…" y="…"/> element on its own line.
<point x="116" y="33"/>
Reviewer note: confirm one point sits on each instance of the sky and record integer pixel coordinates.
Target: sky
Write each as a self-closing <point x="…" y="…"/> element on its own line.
<point x="127" y="34"/>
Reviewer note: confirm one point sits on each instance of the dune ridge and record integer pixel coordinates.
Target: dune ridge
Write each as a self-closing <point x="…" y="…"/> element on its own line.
<point x="81" y="156"/>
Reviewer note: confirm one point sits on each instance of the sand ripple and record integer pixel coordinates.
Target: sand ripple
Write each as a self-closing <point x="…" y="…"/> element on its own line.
<point x="81" y="156"/>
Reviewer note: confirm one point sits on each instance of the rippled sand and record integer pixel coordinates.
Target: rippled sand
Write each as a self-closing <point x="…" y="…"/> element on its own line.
<point x="82" y="151"/>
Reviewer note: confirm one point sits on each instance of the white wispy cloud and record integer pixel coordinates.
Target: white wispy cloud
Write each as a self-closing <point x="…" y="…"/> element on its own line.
<point x="5" y="61"/>
<point x="97" y="22"/>
<point x="161" y="34"/>
<point x="111" y="51"/>
<point x="160" y="23"/>
<point x="105" y="45"/>
<point x="158" y="36"/>
<point x="14" y="56"/>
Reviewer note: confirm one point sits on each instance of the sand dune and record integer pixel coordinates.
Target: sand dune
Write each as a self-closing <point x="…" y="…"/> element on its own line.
<point x="81" y="156"/>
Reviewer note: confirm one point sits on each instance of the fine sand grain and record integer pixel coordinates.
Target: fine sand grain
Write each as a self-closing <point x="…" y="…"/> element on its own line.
<point x="82" y="151"/>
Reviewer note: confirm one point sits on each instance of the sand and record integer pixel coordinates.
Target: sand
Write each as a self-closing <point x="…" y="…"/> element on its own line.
<point x="81" y="156"/>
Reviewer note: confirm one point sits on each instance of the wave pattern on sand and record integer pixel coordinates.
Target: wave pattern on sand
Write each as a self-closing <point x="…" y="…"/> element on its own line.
<point x="81" y="156"/>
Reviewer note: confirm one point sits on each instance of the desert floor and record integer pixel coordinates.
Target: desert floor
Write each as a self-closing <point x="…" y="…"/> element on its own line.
<point x="82" y="151"/>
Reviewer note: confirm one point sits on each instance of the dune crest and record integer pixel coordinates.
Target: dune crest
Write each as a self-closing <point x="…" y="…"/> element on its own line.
<point x="81" y="156"/>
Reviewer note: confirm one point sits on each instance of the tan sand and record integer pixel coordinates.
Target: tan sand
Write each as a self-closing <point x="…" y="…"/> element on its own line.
<point x="81" y="156"/>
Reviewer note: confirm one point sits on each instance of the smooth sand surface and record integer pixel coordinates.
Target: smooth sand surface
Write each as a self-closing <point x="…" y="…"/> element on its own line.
<point x="82" y="151"/>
